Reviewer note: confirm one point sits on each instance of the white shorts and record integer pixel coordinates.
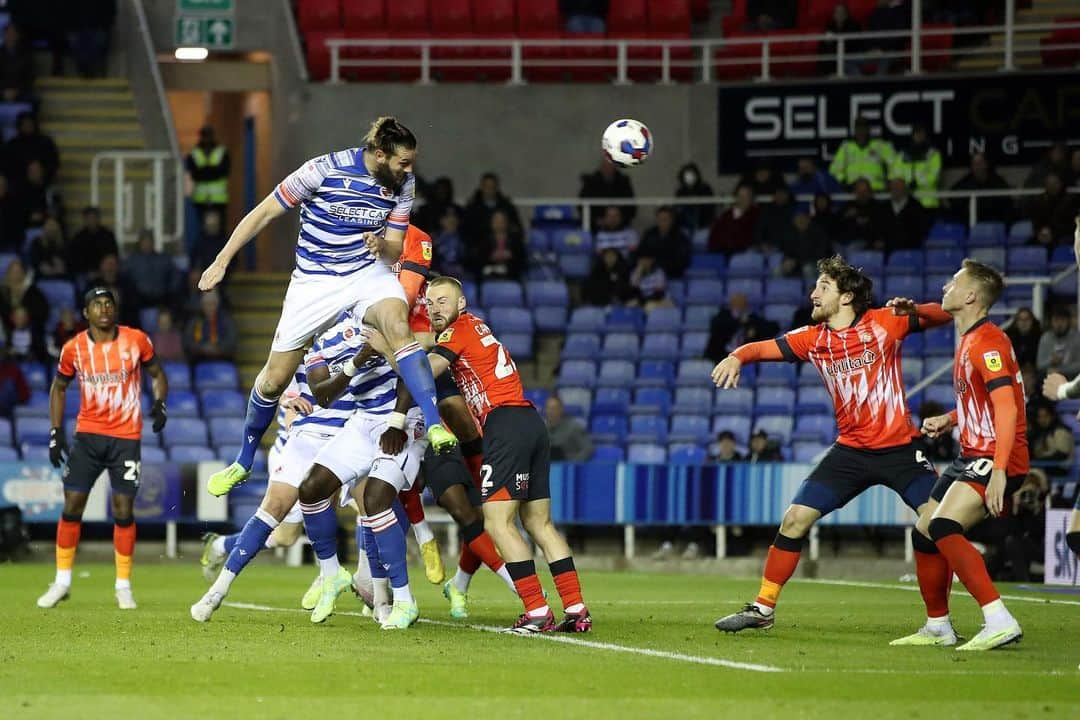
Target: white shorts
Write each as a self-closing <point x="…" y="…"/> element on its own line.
<point x="290" y="466"/>
<point x="355" y="454"/>
<point x="314" y="302"/>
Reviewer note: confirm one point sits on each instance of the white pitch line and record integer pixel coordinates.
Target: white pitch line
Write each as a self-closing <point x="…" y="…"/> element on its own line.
<point x="887" y="586"/>
<point x="569" y="640"/>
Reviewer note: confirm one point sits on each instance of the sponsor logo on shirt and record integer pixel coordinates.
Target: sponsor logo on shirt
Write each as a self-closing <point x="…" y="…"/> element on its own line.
<point x="426" y="249"/>
<point x="445" y="335"/>
<point x="853" y="364"/>
<point x="342" y="211"/>
<point x="992" y="359"/>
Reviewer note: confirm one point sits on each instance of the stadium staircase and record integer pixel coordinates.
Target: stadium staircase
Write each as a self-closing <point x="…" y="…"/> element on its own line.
<point x="86" y="117"/>
<point x="256" y="302"/>
<point x="1042" y="12"/>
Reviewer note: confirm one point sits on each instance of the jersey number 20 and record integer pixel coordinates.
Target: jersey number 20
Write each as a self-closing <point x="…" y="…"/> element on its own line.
<point x="505" y="367"/>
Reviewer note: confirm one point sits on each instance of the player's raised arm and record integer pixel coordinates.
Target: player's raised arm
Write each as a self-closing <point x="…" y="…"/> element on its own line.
<point x="252" y="224"/>
<point x="929" y="315"/>
<point x="726" y="373"/>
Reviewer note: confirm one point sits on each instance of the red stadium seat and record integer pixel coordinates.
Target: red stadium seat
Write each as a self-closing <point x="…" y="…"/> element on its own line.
<point x="860" y="10"/>
<point x="472" y="57"/>
<point x="408" y="18"/>
<point x="451" y="17"/>
<point x="312" y="15"/>
<point x="742" y="61"/>
<point x="318" y="57"/>
<point x="814" y="15"/>
<point x="645" y="62"/>
<point x="939" y="45"/>
<point x="736" y="20"/>
<point x="494" y="17"/>
<point x="781" y="50"/>
<point x="670" y="17"/>
<point x="1061" y="57"/>
<point x="628" y="18"/>
<point x="603" y="56"/>
<point x="700" y="10"/>
<point x="551" y="54"/>
<point x="538" y="18"/>
<point x="364" y="15"/>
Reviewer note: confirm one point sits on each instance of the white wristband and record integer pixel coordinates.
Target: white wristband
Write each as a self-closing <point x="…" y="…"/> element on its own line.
<point x="1063" y="391"/>
<point x="396" y="420"/>
<point x="349" y="368"/>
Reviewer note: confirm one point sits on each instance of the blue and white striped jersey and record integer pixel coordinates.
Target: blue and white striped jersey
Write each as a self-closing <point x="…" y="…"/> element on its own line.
<point x="298" y="387"/>
<point x="340" y="201"/>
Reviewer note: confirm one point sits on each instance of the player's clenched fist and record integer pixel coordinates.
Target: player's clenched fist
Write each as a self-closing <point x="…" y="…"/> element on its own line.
<point x="211" y="276"/>
<point x="937" y="425"/>
<point x="1051" y="385"/>
<point x="726" y="373"/>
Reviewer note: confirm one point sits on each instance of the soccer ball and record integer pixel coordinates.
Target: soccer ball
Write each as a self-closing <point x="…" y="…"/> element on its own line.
<point x="627" y="142"/>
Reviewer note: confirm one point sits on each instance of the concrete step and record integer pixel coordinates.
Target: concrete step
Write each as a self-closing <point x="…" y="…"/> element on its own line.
<point x="257" y="322"/>
<point x="64" y="83"/>
<point x="81" y="143"/>
<point x="109" y="127"/>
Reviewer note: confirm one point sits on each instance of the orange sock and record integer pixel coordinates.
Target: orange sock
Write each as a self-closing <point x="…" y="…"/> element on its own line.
<point x="124" y="547"/>
<point x="566" y="580"/>
<point x="67" y="540"/>
<point x="969" y="566"/>
<point x="484" y="549"/>
<point x="527" y="584"/>
<point x="414" y="507"/>
<point x="780" y="565"/>
<point x="467" y="560"/>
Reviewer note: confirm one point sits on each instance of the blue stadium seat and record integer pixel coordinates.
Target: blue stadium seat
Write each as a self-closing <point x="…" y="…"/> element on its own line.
<point x="707" y="265"/>
<point x="775" y="401"/>
<point x="539" y="240"/>
<point x="939" y="342"/>
<point x="6" y="437"/>
<point x="660" y="346"/>
<point x="151" y="455"/>
<point x="34" y="431"/>
<point x="676" y="290"/>
<point x="686" y="454"/>
<point x="872" y="262"/>
<point x="813" y="399"/>
<point x="912" y="368"/>
<point x="519" y="345"/>
<point x="746" y="265"/>
<point x="695" y="372"/>
<point x="148" y="318"/>
<point x="653" y="373"/>
<point x="646" y="454"/>
<point x="951" y="234"/>
<point x="698" y="318"/>
<point x="1062" y="257"/>
<point x="550" y="318"/>
<point x="72" y="400"/>
<point x="944" y="260"/>
<point x="608" y="454"/>
<point x="914" y="344"/>
<point x="611" y="401"/>
<point x="697" y="400"/>
<point x="693" y="345"/>
<point x="909" y="286"/>
<point x="587" y="319"/>
<point x="510" y="319"/>
<point x="36" y="374"/>
<point x="993" y="256"/>
<point x="37" y="407"/>
<point x="608" y="429"/>
<point x="576" y="397"/>
<point x="808" y="377"/>
<point x="737" y="425"/>
<point x="625" y="319"/>
<point x="815" y="428"/>
<point x="622" y="345"/>
<point x="750" y="287"/>
<point x="776" y="373"/>
<point x="1020" y="233"/>
<point x="575" y="267"/>
<point x="784" y="290"/>
<point x="780" y="313"/>
<point x="648" y="429"/>
<point x="221" y="403"/>
<point x="616" y="373"/>
<point x="547" y="292"/>
<point x="571" y="241"/>
<point x="191" y="453"/>
<point x="210" y="375"/>
<point x="149" y="437"/>
<point x="178" y="373"/>
<point x="942" y="394"/>
<point x="777" y="426"/>
<point x="502" y="293"/>
<point x="471" y="291"/>
<point x="226" y="431"/>
<point x="986" y="234"/>
<point x="663" y="320"/>
<point x="807" y="452"/>
<point x="37" y="454"/>
<point x="184" y="403"/>
<point x="185" y="431"/>
<point x="577" y="373"/>
<point x="1027" y="260"/>
<point x="8" y="454"/>
<point x="537" y="396"/>
<point x="554" y="216"/>
<point x="651" y="400"/>
<point x="581" y="346"/>
<point x="734" y="401"/>
<point x="706" y="292"/>
<point x="904" y="262"/>
<point x="689" y="428"/>
<point x="59" y="293"/>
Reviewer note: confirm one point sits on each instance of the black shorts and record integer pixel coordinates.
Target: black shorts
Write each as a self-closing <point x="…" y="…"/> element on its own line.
<point x="517" y="456"/>
<point x="845" y="472"/>
<point x="445" y="387"/>
<point x="442" y="471"/>
<point x="974" y="470"/>
<point x="90" y="454"/>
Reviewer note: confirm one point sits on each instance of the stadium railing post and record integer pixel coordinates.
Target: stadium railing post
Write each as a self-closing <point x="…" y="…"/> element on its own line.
<point x="628" y="541"/>
<point x="721" y="541"/>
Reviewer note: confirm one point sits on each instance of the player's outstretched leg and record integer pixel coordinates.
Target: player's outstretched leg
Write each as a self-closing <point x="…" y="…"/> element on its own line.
<point x="935" y="583"/>
<point x="536" y="517"/>
<point x="317" y="494"/>
<point x="425" y="538"/>
<point x="251" y="539"/>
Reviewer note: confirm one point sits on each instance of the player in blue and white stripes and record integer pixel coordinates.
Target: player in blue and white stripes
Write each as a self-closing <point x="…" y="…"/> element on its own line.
<point x="354" y="210"/>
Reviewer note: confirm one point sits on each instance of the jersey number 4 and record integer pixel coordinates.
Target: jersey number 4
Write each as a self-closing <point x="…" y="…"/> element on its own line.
<point x="505" y="367"/>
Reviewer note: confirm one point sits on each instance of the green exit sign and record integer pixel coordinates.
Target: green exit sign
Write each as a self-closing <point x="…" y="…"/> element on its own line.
<point x="213" y="33"/>
<point x="205" y="6"/>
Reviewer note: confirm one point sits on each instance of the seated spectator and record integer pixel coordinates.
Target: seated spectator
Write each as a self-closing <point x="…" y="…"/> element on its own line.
<point x="23" y="342"/>
<point x="981" y="176"/>
<point x="211" y="237"/>
<point x="14" y="389"/>
<point x="766" y="15"/>
<point x="49" y="251"/>
<point x="168" y="343"/>
<point x="1025" y="332"/>
<point x="694" y="217"/>
<point x="1050" y="441"/>
<point x="501" y="254"/>
<point x="29" y="145"/>
<point x="1059" y="347"/>
<point x="810" y="180"/>
<point x="943" y="448"/>
<point x="608" y="182"/>
<point x="904" y="222"/>
<point x="763" y="448"/>
<point x="440" y="197"/>
<point x="724" y="450"/>
<point x="570" y="439"/>
<point x="584" y="17"/>
<point x="12" y="219"/>
<point x="613" y="233"/>
<point x="824" y="218"/>
<point x="16" y="67"/>
<point x="649" y="282"/>
<point x="1055" y="161"/>
<point x="1025" y="527"/>
<point x="127" y="299"/>
<point x="888" y="16"/>
<point x="774" y="221"/>
<point x="91" y="244"/>
<point x="609" y="280"/>
<point x="862" y="218"/>
<point x="210" y="333"/>
<point x="841" y="23"/>
<point x="733" y="231"/>
<point x="734" y="325"/>
<point x="1054" y="209"/>
<point x="37" y="198"/>
<point x="1074" y="167"/>
<point x="485" y="202"/>
<point x="88" y="39"/>
<point x="669" y="242"/>
<point x="763" y="181"/>
<point x="68" y="326"/>
<point x="18" y="291"/>
<point x="152" y="273"/>
<point x="449" y="251"/>
<point x="802" y="245"/>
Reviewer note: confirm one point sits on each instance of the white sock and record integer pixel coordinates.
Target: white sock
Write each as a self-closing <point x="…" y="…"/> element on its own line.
<point x="403" y="594"/>
<point x="939" y="623"/>
<point x="539" y="612"/>
<point x="505" y="575"/>
<point x="461" y="580"/>
<point x="575" y="608"/>
<point x="270" y="543"/>
<point x="218" y="546"/>
<point x="63" y="577"/>
<point x="381" y="591"/>
<point x="422" y="532"/>
<point x="123" y="584"/>
<point x="224" y="582"/>
<point x="996" y="615"/>
<point x="764" y="609"/>
<point x="329" y="567"/>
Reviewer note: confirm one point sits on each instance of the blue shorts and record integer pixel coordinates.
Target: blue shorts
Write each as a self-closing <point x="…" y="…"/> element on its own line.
<point x="445" y="387"/>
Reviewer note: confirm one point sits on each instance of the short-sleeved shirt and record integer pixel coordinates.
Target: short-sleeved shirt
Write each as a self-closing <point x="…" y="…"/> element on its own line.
<point x="339" y="202"/>
<point x="985" y="361"/>
<point x="109" y="380"/>
<point x="860" y="365"/>
<point x="416" y="257"/>
<point x="482" y="366"/>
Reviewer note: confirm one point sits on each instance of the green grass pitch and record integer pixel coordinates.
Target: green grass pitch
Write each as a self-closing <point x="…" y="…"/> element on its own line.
<point x="653" y="654"/>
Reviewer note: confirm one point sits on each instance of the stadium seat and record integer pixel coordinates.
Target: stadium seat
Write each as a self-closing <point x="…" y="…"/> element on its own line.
<point x="663" y="320"/>
<point x="872" y="262"/>
<point x="986" y="234"/>
<point x="226" y="431"/>
<point x="576" y="397"/>
<point x="746" y="265"/>
<point x="784" y="290"/>
<point x="750" y="287"/>
<point x="776" y="373"/>
<point x="737" y="425"/>
<point x="547" y="292"/>
<point x="410" y="14"/>
<point x="992" y="256"/>
<point x="36" y="374"/>
<point x="148" y="319"/>
<point x="518" y="344"/>
<point x="1027" y="261"/>
<point x="622" y="345"/>
<point x="153" y="455"/>
<point x="550" y="318"/>
<point x="59" y="293"/>
<point x="575" y="267"/>
<point x="775" y="401"/>
<point x="733" y="401"/>
<point x="318" y="15"/>
<point x="912" y="368"/>
<point x="807" y="452"/>
<point x="221" y="403"/>
<point x="944" y="260"/>
<point x="660" y="346"/>
<point x="38" y="454"/>
<point x="537" y="396"/>
<point x="651" y="401"/>
<point x="676" y="290"/>
<point x="608" y="429"/>
<point x="780" y="313"/>
<point x="812" y="399"/>
<point x="1062" y="257"/>
<point x="648" y="429"/>
<point x="6" y="437"/>
<point x="693" y="400"/>
<point x="646" y="454"/>
<point x="220" y="375"/>
<point x="689" y="428"/>
<point x="814" y="428"/>
<point x="509" y="318"/>
<point x="652" y="373"/>
<point x="777" y="426"/>
<point x="904" y="262"/>
<point x="1020" y="233"/>
<point x="693" y="345"/>
<point x="616" y="373"/>
<point x="493" y="17"/>
<point x="34" y="431"/>
<point x="191" y="453"/>
<point x="363" y="15"/>
<point x="686" y="454"/>
<point x="629" y="319"/>
<point x="669" y="17"/>
<point x="183" y="403"/>
<point x="587" y="319"/>
<point x="940" y="393"/>
<point x="185" y="431"/>
<point x="939" y="342"/>
<point x="577" y="373"/>
<point x="571" y="241"/>
<point x="627" y="18"/>
<point x="611" y="401"/>
<point x="37" y="406"/>
<point x="608" y="454"/>
<point x="695" y="372"/>
<point x="451" y="18"/>
<point x="501" y="293"/>
<point x="706" y="292"/>
<point x="909" y="286"/>
<point x="555" y="216"/>
<point x="698" y="318"/>
<point x="947" y="235"/>
<point x="707" y="265"/>
<point x="581" y="346"/>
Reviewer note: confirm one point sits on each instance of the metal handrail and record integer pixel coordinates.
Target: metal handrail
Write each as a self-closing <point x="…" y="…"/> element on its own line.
<point x="155" y="211"/>
<point x="155" y="73"/>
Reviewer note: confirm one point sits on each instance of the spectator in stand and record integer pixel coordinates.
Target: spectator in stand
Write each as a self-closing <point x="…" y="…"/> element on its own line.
<point x="1055" y="161"/>
<point x="919" y="165"/>
<point x="1050" y="441"/>
<point x="449" y="251"/>
<point x="734" y="325"/>
<point x="28" y="145"/>
<point x="108" y="275"/>
<point x="694" y="217"/>
<point x="12" y="219"/>
<point x="585" y="16"/>
<point x="1074" y="167"/>
<point x="208" y="166"/>
<point x="981" y="176"/>
<point x="863" y="218"/>
<point x="91" y="244"/>
<point x="570" y="441"/>
<point x="24" y="343"/>
<point x="668" y="241"/>
<point x="862" y="157"/>
<point x="67" y="327"/>
<point x="811" y="181"/>
<point x="211" y="238"/>
<point x="1025" y="332"/>
<point x="49" y="251"/>
<point x="14" y="389"/>
<point x="37" y="197"/>
<point x="1059" y="347"/>
<point x="16" y="67"/>
<point x="649" y="282"/>
<point x="210" y="333"/>
<point x="904" y="221"/>
<point x="1044" y="237"/>
<point x="168" y="342"/>
<point x="774" y="221"/>
<point x="763" y="181"/>
<point x="824" y="218"/>
<point x="90" y="22"/>
<point x="152" y="273"/>
<point x="18" y="291"/>
<point x="766" y="15"/>
<point x="1054" y="209"/>
<point x="608" y="182"/>
<point x="763" y="449"/>
<point x="609" y="280"/>
<point x="429" y="215"/>
<point x="941" y="449"/>
<point x="724" y="449"/>
<point x="612" y="233"/>
<point x="888" y="16"/>
<point x="485" y="202"/>
<point x="803" y="244"/>
<point x="501" y="254"/>
<point x="841" y="23"/>
<point x="733" y="231"/>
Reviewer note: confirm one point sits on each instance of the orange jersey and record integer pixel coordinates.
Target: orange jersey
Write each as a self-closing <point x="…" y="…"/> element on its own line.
<point x="484" y="371"/>
<point x="860" y="365"/>
<point x="416" y="257"/>
<point x="985" y="361"/>
<point x="109" y="380"/>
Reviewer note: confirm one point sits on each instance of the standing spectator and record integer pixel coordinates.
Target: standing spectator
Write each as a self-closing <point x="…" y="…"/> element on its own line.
<point x="16" y="67"/>
<point x="210" y="333"/>
<point x="694" y="217"/>
<point x="1059" y="348"/>
<point x="888" y="16"/>
<point x="90" y="22"/>
<point x="430" y="214"/>
<point x="585" y="17"/>
<point x="1074" y="167"/>
<point x="733" y="231"/>
<point x="810" y="180"/>
<point x="612" y="233"/>
<point x="28" y="145"/>
<point x="904" y="221"/>
<point x="501" y="254"/>
<point x="825" y="219"/>
<point x="766" y="15"/>
<point x="67" y="327"/>
<point x="24" y="343"/>
<point x="763" y="449"/>
<point x="211" y="238"/>
<point x="609" y="280"/>
<point x="774" y="221"/>
<point x="1050" y="441"/>
<point x="981" y="176"/>
<point x="152" y="273"/>
<point x="18" y="291"/>
<point x="1025" y="332"/>
<point x="862" y="217"/>
<point x="14" y="389"/>
<point x="803" y="244"/>
<point x="91" y="244"/>
<point x="168" y="342"/>
<point x="734" y="325"/>
<point x="763" y="181"/>
<point x="608" y="182"/>
<point x="570" y="440"/>
<point x="841" y="23"/>
<point x="12" y="219"/>
<point x="208" y="167"/>
<point x="668" y="241"/>
<point x="49" y="252"/>
<point x="724" y="449"/>
<point x="919" y="165"/>
<point x="649" y="282"/>
<point x="1054" y="208"/>
<point x="862" y="157"/>
<point x="38" y="199"/>
<point x="1055" y="161"/>
<point x="127" y="299"/>
<point x="486" y="201"/>
<point x="449" y="251"/>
